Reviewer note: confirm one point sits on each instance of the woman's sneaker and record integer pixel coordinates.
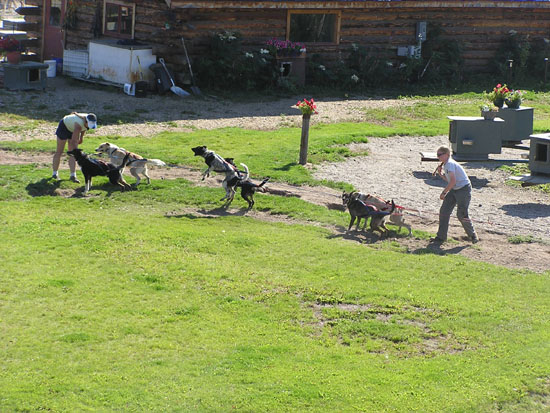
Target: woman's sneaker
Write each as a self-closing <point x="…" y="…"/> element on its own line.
<point x="55" y="177"/>
<point x="74" y="179"/>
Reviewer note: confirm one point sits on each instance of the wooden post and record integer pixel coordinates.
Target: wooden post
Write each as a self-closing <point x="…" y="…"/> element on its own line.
<point x="305" y="139"/>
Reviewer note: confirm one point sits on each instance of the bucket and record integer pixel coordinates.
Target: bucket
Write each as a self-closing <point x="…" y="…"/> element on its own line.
<point x="129" y="89"/>
<point x="141" y="88"/>
<point x="59" y="65"/>
<point x="52" y="67"/>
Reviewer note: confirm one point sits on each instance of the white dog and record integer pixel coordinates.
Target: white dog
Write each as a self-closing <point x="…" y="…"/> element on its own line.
<point x="136" y="163"/>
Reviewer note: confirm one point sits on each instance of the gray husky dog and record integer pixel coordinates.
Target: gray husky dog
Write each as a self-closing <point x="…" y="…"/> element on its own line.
<point x="396" y="218"/>
<point x="359" y="210"/>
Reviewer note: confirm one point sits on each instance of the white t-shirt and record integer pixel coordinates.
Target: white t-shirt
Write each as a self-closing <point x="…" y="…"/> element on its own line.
<point x="461" y="178"/>
<point x="71" y="120"/>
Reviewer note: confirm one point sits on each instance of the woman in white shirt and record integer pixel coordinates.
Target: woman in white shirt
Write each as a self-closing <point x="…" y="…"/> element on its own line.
<point x="457" y="192"/>
<point x="72" y="129"/>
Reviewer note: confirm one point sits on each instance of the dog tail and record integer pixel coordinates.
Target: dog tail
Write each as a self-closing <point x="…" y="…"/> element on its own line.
<point x="156" y="162"/>
<point x="247" y="175"/>
<point x="263" y="182"/>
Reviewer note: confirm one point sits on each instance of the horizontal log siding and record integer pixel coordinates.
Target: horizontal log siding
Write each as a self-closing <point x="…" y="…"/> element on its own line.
<point x="382" y="29"/>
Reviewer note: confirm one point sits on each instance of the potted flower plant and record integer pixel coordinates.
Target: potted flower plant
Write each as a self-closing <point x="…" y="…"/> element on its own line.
<point x="11" y="47"/>
<point x="498" y="95"/>
<point x="514" y="99"/>
<point x="488" y="113"/>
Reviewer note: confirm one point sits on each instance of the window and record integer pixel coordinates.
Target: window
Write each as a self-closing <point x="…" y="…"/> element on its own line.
<point x="118" y="19"/>
<point x="313" y="27"/>
<point x="55" y="13"/>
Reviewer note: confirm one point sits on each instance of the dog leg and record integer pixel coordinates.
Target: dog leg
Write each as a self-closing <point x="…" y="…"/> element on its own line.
<point x="135" y="174"/>
<point x="249" y="199"/>
<point x="88" y="184"/>
<point x="351" y="222"/>
<point x="146" y="175"/>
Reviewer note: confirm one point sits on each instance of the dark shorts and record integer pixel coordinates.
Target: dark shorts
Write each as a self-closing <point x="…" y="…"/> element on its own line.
<point x="62" y="132"/>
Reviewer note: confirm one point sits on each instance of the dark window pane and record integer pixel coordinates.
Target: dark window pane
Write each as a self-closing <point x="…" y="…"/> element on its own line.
<point x="111" y="17"/>
<point x="125" y="20"/>
<point x="312" y="28"/>
<point x="55" y="13"/>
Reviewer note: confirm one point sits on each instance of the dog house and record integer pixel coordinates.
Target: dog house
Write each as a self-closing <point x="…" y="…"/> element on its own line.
<point x="25" y="76"/>
<point x="519" y="124"/>
<point x="474" y="138"/>
<point x="539" y="154"/>
<point x="293" y="68"/>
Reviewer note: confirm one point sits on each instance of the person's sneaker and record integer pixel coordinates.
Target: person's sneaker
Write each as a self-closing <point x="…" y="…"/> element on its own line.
<point x="74" y="179"/>
<point x="474" y="239"/>
<point x="55" y="177"/>
<point x="436" y="240"/>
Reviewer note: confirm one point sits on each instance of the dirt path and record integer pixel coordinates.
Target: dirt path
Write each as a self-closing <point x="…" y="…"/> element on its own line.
<point x="494" y="246"/>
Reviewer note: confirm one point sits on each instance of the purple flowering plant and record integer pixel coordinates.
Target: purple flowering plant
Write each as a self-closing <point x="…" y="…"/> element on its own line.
<point x="278" y="47"/>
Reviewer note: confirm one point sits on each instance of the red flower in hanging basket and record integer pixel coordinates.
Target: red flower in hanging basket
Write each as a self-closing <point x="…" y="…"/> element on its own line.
<point x="307" y="107"/>
<point x="9" y="44"/>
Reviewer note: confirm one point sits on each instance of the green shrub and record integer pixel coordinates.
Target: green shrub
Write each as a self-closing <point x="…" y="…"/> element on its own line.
<point x="227" y="65"/>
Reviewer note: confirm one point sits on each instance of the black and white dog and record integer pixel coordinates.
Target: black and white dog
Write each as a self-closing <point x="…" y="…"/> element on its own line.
<point x="218" y="164"/>
<point x="95" y="167"/>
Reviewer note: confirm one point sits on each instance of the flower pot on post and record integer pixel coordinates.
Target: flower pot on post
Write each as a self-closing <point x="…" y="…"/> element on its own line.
<point x="304" y="141"/>
<point x="308" y="108"/>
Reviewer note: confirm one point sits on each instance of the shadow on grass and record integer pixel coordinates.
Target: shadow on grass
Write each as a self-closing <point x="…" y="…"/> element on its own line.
<point x="286" y="167"/>
<point x="362" y="237"/>
<point x="44" y="187"/>
<point x="51" y="187"/>
<point x="210" y="213"/>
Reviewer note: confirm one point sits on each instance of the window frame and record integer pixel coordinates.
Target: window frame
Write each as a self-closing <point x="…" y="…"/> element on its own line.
<point x="110" y="33"/>
<point x="337" y="13"/>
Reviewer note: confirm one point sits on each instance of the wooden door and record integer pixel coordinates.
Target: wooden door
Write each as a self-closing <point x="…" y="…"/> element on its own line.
<point x="53" y="29"/>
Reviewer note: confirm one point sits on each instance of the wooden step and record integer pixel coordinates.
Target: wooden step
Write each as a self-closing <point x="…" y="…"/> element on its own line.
<point x="21" y="25"/>
<point x="29" y="11"/>
<point x="34" y="42"/>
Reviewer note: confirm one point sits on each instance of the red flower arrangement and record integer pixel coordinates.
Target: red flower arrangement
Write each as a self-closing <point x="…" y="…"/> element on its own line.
<point x="498" y="94"/>
<point x="9" y="44"/>
<point x="307" y="107"/>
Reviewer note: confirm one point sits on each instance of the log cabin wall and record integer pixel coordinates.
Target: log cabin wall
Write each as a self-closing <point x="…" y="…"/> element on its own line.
<point x="379" y="27"/>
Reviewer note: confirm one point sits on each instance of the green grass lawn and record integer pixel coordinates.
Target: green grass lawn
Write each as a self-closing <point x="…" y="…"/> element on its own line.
<point x="135" y="302"/>
<point x="153" y="300"/>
